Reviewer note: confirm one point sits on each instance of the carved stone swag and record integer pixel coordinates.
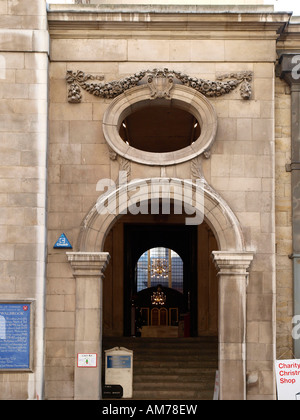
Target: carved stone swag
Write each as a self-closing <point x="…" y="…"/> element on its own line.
<point x="160" y="83"/>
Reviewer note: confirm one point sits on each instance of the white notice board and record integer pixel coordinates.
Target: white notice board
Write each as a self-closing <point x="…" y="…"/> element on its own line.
<point x="87" y="360"/>
<point x="288" y="379"/>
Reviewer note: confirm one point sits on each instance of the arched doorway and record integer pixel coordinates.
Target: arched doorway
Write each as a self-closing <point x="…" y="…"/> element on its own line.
<point x="232" y="262"/>
<point x="129" y="239"/>
<point x="146" y="252"/>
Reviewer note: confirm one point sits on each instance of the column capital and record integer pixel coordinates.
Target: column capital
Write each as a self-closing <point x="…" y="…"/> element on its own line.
<point x="87" y="264"/>
<point x="232" y="263"/>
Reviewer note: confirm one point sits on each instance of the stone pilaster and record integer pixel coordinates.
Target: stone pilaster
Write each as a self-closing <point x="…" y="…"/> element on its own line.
<point x="233" y="274"/>
<point x="289" y="70"/>
<point x="24" y="48"/>
<point x="88" y="269"/>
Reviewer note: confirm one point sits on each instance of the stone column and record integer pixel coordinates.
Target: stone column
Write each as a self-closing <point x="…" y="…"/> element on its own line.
<point x="289" y="70"/>
<point x="233" y="275"/>
<point x="88" y="269"/>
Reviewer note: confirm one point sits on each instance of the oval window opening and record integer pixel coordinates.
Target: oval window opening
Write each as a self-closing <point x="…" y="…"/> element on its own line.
<point x="160" y="129"/>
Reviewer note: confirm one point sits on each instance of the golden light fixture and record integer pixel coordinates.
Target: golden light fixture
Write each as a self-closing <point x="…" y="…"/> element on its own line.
<point x="158" y="298"/>
<point x="159" y="268"/>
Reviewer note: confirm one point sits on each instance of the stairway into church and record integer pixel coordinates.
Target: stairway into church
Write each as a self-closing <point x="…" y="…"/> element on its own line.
<point x="170" y="368"/>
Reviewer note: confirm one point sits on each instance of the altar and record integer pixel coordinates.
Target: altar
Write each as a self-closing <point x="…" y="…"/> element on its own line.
<point x="160" y="331"/>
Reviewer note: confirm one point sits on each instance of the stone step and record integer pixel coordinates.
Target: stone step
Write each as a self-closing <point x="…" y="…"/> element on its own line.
<point x="156" y="342"/>
<point x="161" y="349"/>
<point x="170" y="386"/>
<point x="172" y="368"/>
<point x="159" y="341"/>
<point x="168" y="371"/>
<point x="174" y="395"/>
<point x="170" y="356"/>
<point x="172" y="378"/>
<point x="178" y="350"/>
<point x="173" y="364"/>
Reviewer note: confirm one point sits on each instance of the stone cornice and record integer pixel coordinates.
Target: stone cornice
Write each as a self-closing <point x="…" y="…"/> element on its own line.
<point x="164" y="8"/>
<point x="83" y="18"/>
<point x="109" y="7"/>
<point x="289" y="41"/>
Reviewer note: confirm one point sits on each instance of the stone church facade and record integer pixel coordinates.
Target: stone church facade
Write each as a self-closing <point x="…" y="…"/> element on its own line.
<point x="71" y="76"/>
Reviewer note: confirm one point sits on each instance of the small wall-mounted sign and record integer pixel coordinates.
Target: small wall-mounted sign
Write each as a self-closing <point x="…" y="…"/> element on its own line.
<point x="288" y="379"/>
<point x="87" y="360"/>
<point x="63" y="242"/>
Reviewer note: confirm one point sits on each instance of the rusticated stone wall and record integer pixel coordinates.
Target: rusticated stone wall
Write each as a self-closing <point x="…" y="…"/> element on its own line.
<point x="24" y="46"/>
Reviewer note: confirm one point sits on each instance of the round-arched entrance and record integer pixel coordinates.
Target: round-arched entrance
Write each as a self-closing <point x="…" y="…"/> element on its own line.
<point x="147" y="251"/>
<point x="231" y="260"/>
<point x="118" y="226"/>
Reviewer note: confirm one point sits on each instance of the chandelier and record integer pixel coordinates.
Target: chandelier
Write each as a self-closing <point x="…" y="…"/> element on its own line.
<point x="159" y="267"/>
<point x="158" y="298"/>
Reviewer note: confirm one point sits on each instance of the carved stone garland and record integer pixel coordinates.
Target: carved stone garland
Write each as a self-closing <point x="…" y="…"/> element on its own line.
<point x="160" y="83"/>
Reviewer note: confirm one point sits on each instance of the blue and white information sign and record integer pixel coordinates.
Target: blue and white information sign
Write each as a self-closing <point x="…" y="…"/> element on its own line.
<point x="63" y="242"/>
<point x="119" y="362"/>
<point x="15" y="335"/>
